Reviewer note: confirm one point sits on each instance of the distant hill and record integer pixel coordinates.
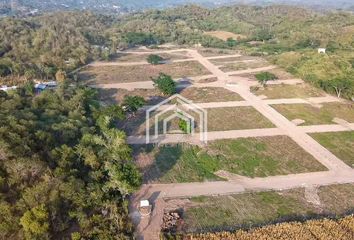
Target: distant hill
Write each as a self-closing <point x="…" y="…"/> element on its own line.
<point x="124" y="6"/>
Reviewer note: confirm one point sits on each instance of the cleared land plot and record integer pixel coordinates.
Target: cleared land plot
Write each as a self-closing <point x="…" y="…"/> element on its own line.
<point x="340" y="144"/>
<point x="212" y="52"/>
<point x="154" y="96"/>
<point x="126" y="57"/>
<point x="236" y="118"/>
<point x="122" y="74"/>
<point x="233" y="59"/>
<point x="288" y="91"/>
<point x="223" y="35"/>
<point x="210" y="94"/>
<point x="252" y="157"/>
<point x="244" y="210"/>
<point x="314" y="116"/>
<point x="219" y="119"/>
<point x="255" y="209"/>
<point x="229" y="67"/>
<point x="280" y="73"/>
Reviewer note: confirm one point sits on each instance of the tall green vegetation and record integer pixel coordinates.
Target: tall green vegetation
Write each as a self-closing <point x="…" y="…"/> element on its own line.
<point x="264" y="77"/>
<point x="154" y="59"/>
<point x="165" y="84"/>
<point x="65" y="170"/>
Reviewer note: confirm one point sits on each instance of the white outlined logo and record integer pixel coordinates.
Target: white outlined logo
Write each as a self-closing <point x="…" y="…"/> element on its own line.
<point x="179" y="106"/>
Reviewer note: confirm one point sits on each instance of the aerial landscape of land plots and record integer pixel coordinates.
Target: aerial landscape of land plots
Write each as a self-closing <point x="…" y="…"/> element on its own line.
<point x="277" y="152"/>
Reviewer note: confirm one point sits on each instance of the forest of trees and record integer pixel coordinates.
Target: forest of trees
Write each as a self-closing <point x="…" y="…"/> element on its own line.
<point x="65" y="170"/>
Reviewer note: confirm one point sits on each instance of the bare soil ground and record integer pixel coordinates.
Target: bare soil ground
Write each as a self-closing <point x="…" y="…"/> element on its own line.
<point x="288" y="91"/>
<point x="122" y="74"/>
<point x="314" y="115"/>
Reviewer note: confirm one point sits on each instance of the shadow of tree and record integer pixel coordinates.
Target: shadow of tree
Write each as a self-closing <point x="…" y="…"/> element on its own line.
<point x="161" y="160"/>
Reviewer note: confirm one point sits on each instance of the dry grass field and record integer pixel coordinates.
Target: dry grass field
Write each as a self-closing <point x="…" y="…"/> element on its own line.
<point x="229" y="67"/>
<point x="209" y="94"/>
<point x="236" y="118"/>
<point x="123" y="74"/>
<point x="278" y="72"/>
<point x="314" y="115"/>
<point x="289" y="91"/>
<point x="254" y="209"/>
<point x="212" y="52"/>
<point x="121" y="57"/>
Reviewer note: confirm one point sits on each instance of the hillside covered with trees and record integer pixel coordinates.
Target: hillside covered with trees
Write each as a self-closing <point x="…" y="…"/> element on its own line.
<point x="37" y="47"/>
<point x="65" y="171"/>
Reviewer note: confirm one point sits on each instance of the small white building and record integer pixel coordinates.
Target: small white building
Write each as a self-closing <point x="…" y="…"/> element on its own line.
<point x="322" y="50"/>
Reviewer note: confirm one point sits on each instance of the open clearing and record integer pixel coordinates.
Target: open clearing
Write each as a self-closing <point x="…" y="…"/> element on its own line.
<point x="317" y="115"/>
<point x="121" y="57"/>
<point x="288" y="91"/>
<point x="209" y="94"/>
<point x="154" y="96"/>
<point x="229" y="67"/>
<point x="219" y="119"/>
<point x="236" y="118"/>
<point x="252" y="157"/>
<point x="138" y="73"/>
<point x="212" y="52"/>
<point x="254" y="209"/>
<point x="340" y="144"/>
<point x="223" y="35"/>
<point x="279" y="73"/>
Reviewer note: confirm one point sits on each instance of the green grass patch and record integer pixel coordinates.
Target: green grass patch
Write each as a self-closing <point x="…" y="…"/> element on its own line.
<point x="340" y="144"/>
<point x="243" y="210"/>
<point x="252" y="157"/>
<point x="313" y="115"/>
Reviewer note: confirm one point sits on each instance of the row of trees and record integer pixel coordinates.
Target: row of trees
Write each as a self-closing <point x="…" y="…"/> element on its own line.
<point x="65" y="170"/>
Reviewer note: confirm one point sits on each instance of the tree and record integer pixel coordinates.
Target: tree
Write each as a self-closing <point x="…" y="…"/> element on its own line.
<point x="131" y="104"/>
<point x="184" y="126"/>
<point x="4" y="70"/>
<point x="60" y="76"/>
<point x="165" y="84"/>
<point x="154" y="59"/>
<point x="341" y="85"/>
<point x="35" y="223"/>
<point x="231" y="42"/>
<point x="264" y="77"/>
<point x="30" y="74"/>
